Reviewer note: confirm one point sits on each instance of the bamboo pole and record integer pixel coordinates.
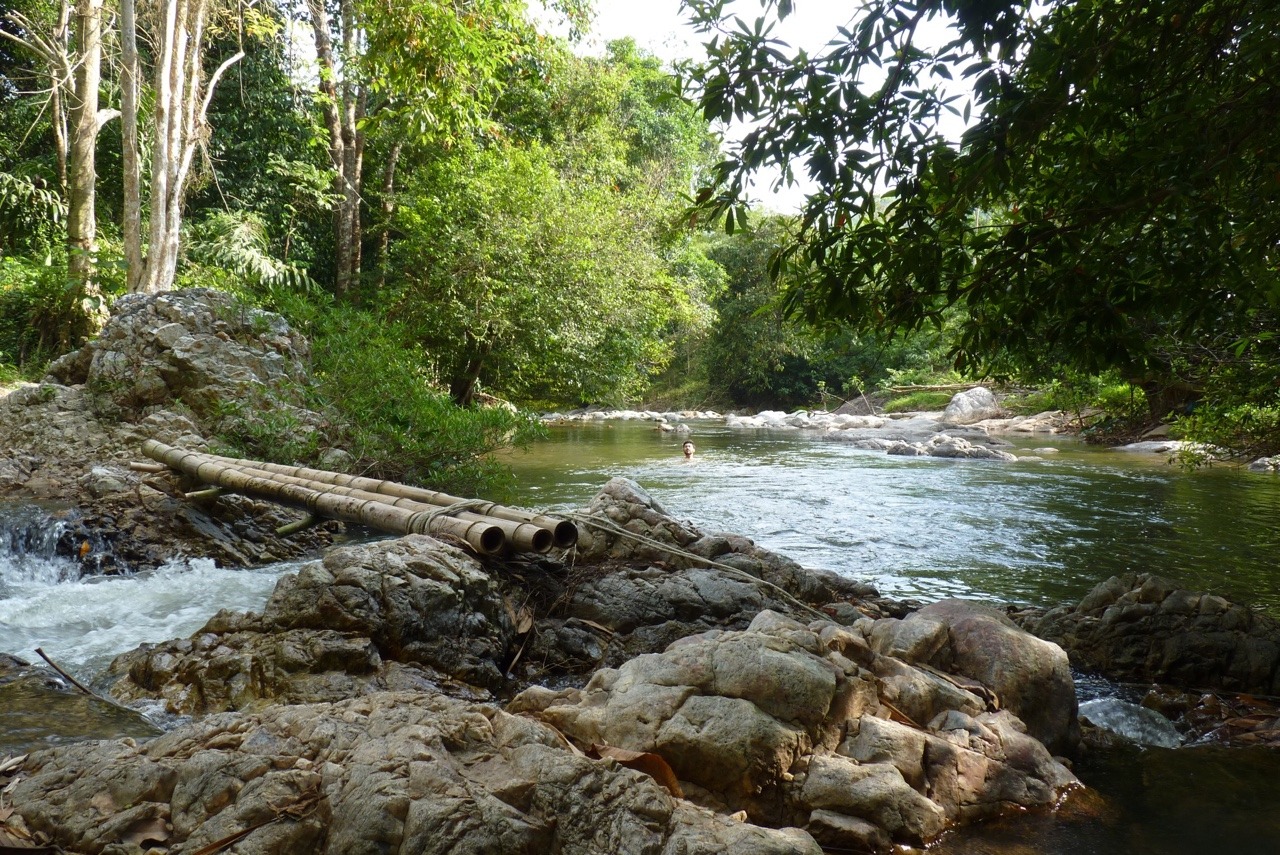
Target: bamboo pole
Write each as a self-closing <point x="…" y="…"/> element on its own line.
<point x="482" y="536"/>
<point x="523" y="536"/>
<point x="564" y="531"/>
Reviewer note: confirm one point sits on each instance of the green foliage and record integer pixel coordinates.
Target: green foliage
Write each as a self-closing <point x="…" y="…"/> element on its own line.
<point x="760" y="357"/>
<point x="529" y="283"/>
<point x="35" y="307"/>
<point x="30" y="214"/>
<point x="231" y="250"/>
<point x="918" y="401"/>
<point x="384" y="407"/>
<point x="1113" y="205"/>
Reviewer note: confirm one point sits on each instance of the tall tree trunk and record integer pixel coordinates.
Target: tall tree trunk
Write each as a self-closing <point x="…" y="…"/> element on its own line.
<point x="343" y="104"/>
<point x="81" y="170"/>
<point x="182" y="104"/>
<point x="129" y="81"/>
<point x="57" y="86"/>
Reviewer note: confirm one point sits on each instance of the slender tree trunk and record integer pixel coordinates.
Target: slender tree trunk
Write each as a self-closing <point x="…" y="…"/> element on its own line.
<point x="81" y="170"/>
<point x="129" y="81"/>
<point x="388" y="211"/>
<point x="343" y="103"/>
<point x="58" y="85"/>
<point x="182" y="104"/>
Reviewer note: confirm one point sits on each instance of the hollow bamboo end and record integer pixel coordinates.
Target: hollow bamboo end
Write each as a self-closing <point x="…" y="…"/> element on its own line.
<point x="492" y="539"/>
<point x="565" y="534"/>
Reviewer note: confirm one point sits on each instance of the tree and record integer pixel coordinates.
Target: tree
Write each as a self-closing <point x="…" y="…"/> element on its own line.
<point x="1112" y="205"/>
<point x="74" y="75"/>
<point x="430" y="69"/>
<point x="182" y="94"/>
<point x="524" y="281"/>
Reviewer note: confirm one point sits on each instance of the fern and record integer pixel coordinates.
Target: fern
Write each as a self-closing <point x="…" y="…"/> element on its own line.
<point x="237" y="242"/>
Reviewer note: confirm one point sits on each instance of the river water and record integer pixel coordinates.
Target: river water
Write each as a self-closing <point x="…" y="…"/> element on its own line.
<point x="1043" y="531"/>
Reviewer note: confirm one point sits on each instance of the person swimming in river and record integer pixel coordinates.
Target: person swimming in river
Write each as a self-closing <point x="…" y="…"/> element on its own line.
<point x="688" y="450"/>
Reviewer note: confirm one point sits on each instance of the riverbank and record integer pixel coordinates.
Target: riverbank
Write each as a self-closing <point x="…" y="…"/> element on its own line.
<point x="664" y="686"/>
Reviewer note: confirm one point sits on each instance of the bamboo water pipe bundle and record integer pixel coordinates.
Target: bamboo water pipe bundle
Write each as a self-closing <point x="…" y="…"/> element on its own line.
<point x="564" y="531"/>
<point x="483" y="536"/>
<point x="443" y="515"/>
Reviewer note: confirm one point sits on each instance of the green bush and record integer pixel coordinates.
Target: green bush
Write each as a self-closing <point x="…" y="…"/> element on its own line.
<point x="917" y="401"/>
<point x="382" y="406"/>
<point x="33" y="309"/>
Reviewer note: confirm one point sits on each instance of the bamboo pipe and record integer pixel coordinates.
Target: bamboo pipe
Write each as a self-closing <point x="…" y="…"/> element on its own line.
<point x="482" y="536"/>
<point x="564" y="531"/>
<point x="525" y="537"/>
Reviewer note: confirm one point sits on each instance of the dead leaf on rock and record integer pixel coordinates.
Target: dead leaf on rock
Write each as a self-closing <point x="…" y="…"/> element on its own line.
<point x="647" y="762"/>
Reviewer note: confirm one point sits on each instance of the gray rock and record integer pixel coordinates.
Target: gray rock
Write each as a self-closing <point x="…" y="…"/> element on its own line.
<point x="971" y="405"/>
<point x="393" y="772"/>
<point x="1143" y="627"/>
<point x="785" y="720"/>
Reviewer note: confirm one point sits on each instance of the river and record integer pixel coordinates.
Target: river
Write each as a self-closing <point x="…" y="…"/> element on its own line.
<point x="1040" y="531"/>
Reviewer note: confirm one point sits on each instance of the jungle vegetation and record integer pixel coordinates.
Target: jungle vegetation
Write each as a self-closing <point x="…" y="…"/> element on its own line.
<point x="494" y="213"/>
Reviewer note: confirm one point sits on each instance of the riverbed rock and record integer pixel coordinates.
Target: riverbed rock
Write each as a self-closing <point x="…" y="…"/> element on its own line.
<point x="799" y="724"/>
<point x="389" y="773"/>
<point x="971" y="405"/>
<point x="1265" y="464"/>
<point x="1143" y="627"/>
<point x="1030" y="677"/>
<point x="409" y="612"/>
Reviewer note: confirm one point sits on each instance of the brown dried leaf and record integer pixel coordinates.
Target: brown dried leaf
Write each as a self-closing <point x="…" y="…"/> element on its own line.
<point x="647" y="762"/>
<point x="595" y="625"/>
<point x="525" y="621"/>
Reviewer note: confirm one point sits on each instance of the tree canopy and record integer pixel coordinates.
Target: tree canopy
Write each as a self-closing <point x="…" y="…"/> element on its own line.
<point x="1110" y="205"/>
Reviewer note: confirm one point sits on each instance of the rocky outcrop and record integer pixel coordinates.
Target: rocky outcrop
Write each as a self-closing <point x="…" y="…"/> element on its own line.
<point x="347" y="716"/>
<point x="1028" y="676"/>
<point x="971" y="405"/>
<point x="1143" y="627"/>
<point x="175" y="367"/>
<point x="808" y="725"/>
<point x="405" y="613"/>
<point x="390" y="773"/>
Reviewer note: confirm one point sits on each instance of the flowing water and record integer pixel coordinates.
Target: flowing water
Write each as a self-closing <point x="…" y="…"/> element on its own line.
<point x="1040" y="531"/>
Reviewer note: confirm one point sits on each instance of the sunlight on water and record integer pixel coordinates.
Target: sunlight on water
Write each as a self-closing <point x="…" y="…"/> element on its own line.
<point x="1040" y="531"/>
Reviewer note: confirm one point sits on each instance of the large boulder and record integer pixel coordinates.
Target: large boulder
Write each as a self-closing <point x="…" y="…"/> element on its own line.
<point x="1144" y="627"/>
<point x="404" y="613"/>
<point x="197" y="345"/>
<point x="971" y="405"/>
<point x="808" y="725"/>
<point x="397" y="773"/>
<point x="1030" y="677"/>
